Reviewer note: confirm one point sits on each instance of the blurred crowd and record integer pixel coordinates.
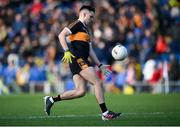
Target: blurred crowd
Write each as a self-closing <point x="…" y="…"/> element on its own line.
<point x="30" y="52"/>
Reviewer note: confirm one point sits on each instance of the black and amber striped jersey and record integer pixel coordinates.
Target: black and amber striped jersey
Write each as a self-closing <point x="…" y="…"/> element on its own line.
<point x="79" y="39"/>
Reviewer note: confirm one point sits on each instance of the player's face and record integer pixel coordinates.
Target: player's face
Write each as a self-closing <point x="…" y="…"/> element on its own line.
<point x="89" y="17"/>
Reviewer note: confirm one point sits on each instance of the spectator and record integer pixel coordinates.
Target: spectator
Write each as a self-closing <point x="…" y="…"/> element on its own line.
<point x="18" y="24"/>
<point x="10" y="74"/>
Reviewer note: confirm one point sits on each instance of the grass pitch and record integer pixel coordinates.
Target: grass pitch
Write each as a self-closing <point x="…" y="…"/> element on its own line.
<point x="140" y="109"/>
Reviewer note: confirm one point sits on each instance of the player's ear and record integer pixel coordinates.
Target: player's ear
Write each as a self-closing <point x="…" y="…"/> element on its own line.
<point x="84" y="14"/>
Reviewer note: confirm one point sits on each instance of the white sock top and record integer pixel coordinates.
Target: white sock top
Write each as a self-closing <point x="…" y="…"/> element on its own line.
<point x="51" y="99"/>
<point x="105" y="113"/>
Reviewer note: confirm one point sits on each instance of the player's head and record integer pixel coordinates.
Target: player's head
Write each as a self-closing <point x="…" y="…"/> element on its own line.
<point x="87" y="14"/>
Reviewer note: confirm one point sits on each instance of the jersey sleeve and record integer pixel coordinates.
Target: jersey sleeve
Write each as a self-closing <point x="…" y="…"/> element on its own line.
<point x="74" y="27"/>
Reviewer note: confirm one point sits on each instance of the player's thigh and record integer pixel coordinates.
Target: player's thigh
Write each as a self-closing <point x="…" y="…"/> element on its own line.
<point x="79" y="81"/>
<point x="90" y="75"/>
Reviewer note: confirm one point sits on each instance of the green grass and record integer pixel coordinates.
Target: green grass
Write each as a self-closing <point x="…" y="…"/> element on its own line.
<point x="140" y="109"/>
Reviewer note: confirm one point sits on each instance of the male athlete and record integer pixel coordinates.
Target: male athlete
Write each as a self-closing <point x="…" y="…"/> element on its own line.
<point x="77" y="57"/>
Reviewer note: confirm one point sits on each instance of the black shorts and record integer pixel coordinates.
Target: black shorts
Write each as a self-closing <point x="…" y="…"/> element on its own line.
<point x="78" y="64"/>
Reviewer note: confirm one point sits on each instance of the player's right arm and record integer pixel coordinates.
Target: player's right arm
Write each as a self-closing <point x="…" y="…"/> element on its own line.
<point x="67" y="58"/>
<point x="62" y="38"/>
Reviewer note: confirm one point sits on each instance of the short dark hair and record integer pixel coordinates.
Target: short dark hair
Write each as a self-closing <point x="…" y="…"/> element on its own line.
<point x="88" y="8"/>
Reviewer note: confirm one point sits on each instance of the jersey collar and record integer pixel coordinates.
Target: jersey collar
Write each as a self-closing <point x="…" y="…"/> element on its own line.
<point x="83" y="23"/>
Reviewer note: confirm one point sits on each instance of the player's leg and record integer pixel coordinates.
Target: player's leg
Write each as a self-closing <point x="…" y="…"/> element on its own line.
<point x="79" y="91"/>
<point x="90" y="75"/>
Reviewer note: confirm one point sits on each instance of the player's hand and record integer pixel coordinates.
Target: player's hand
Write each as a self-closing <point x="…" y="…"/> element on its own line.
<point x="68" y="56"/>
<point x="105" y="70"/>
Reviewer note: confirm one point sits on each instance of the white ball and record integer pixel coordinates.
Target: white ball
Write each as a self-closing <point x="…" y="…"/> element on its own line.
<point x="119" y="52"/>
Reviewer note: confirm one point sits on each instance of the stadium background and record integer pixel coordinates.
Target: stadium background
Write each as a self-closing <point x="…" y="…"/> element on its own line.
<point x="30" y="51"/>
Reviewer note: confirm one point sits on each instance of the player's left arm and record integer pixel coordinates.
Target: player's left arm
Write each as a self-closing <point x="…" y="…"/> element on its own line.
<point x="93" y="55"/>
<point x="102" y="67"/>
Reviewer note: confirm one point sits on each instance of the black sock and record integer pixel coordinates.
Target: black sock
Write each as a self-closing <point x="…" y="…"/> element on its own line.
<point x="103" y="107"/>
<point x="57" y="98"/>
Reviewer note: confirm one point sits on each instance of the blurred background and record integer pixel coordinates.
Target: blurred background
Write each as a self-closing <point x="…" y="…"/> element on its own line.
<point x="30" y="52"/>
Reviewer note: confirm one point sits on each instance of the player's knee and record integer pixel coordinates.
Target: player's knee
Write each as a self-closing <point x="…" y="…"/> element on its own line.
<point x="98" y="82"/>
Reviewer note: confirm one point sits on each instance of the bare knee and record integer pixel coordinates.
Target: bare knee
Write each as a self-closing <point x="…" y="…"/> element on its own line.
<point x="98" y="82"/>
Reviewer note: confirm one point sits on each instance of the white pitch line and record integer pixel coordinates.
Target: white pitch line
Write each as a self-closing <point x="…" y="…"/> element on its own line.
<point x="78" y="116"/>
<point x="44" y="117"/>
